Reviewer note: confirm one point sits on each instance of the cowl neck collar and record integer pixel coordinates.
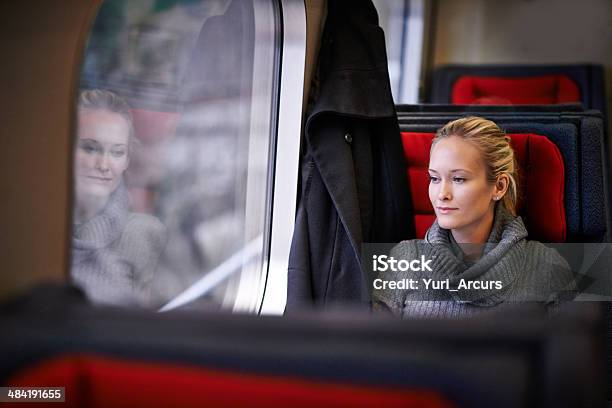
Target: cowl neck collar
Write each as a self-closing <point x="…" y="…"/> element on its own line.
<point x="106" y="226"/>
<point x="502" y="260"/>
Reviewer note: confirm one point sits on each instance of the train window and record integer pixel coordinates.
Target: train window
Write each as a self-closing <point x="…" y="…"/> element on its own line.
<point x="404" y="23"/>
<point x="177" y="153"/>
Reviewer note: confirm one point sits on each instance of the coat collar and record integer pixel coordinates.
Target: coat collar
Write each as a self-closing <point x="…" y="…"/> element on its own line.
<point x="352" y="70"/>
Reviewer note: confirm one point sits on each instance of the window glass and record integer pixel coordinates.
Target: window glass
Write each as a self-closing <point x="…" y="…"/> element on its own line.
<point x="391" y="17"/>
<point x="172" y="154"/>
<point x="403" y="22"/>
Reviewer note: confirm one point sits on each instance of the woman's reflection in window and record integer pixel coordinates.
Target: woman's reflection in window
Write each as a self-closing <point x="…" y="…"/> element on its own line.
<point x="114" y="251"/>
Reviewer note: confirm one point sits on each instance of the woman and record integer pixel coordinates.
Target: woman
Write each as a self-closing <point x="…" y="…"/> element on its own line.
<point x="475" y="256"/>
<point x="114" y="251"/>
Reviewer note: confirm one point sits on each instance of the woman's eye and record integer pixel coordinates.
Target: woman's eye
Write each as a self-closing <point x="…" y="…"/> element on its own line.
<point x="458" y="180"/>
<point x="433" y="179"/>
<point x="89" y="149"/>
<point x="117" y="153"/>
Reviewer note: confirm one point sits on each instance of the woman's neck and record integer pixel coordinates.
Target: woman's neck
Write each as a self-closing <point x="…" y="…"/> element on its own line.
<point x="86" y="208"/>
<point x="471" y="238"/>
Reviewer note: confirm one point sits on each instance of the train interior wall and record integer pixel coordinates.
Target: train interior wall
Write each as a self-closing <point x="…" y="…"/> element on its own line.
<point x="42" y="49"/>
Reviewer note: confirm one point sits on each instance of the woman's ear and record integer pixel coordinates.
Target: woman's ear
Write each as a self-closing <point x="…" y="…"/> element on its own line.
<point x="501" y="186"/>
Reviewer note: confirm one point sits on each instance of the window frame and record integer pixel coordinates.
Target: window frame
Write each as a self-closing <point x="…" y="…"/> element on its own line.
<point x="287" y="155"/>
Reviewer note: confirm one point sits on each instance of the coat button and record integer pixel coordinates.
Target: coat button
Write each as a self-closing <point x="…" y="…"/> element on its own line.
<point x="348" y="138"/>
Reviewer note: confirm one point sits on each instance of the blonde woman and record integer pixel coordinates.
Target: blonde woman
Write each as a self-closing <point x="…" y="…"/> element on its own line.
<point x="114" y="251"/>
<point x="476" y="256"/>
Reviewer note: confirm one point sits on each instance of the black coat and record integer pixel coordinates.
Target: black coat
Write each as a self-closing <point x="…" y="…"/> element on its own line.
<point x="353" y="176"/>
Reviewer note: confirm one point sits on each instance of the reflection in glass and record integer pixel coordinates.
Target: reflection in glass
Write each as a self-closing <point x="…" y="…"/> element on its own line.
<point x="200" y="80"/>
<point x="114" y="251"/>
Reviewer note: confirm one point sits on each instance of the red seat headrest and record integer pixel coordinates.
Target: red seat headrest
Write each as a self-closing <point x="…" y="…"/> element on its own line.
<point x="546" y="89"/>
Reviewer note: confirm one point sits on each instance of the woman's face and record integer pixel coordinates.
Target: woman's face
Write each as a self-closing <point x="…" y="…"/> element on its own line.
<point x="458" y="189"/>
<point x="101" y="154"/>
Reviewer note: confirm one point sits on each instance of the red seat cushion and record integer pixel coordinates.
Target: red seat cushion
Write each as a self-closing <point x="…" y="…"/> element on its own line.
<point x="94" y="381"/>
<point x="546" y="89"/>
<point x="541" y="184"/>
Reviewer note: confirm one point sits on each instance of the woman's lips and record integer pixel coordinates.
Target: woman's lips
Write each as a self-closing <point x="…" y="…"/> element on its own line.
<point x="100" y="179"/>
<point x="446" y="210"/>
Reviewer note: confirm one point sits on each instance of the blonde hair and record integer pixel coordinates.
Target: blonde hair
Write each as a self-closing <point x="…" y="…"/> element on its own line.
<point x="496" y="151"/>
<point x="101" y="99"/>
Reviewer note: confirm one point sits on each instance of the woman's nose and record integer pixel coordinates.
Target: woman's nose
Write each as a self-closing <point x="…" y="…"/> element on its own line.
<point x="445" y="192"/>
<point x="102" y="163"/>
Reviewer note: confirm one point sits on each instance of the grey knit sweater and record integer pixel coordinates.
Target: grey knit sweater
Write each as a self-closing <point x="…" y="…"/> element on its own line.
<point x="115" y="253"/>
<point x="511" y="269"/>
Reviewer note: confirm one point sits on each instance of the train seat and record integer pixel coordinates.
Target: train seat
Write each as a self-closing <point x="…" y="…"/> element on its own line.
<point x="519" y="84"/>
<point x="117" y="357"/>
<point x="542" y="193"/>
<point x="93" y="380"/>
